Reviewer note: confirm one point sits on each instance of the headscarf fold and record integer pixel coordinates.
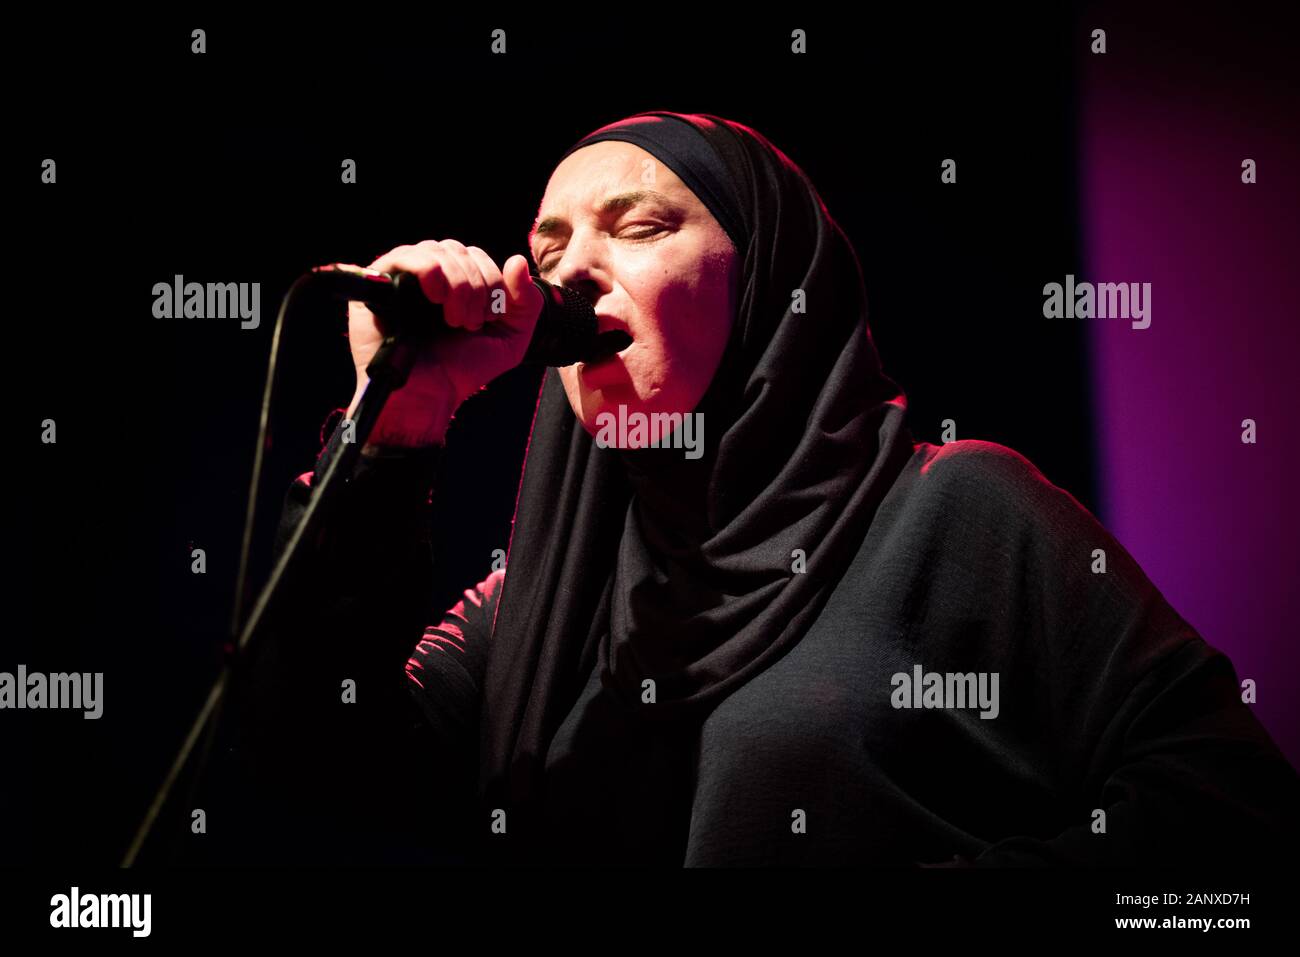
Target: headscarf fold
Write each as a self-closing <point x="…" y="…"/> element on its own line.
<point x="696" y="574"/>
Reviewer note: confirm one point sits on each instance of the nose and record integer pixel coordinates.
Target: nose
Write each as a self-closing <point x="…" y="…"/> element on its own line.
<point x="582" y="267"/>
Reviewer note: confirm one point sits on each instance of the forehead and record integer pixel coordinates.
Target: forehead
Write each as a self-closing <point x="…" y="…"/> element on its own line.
<point x="595" y="173"/>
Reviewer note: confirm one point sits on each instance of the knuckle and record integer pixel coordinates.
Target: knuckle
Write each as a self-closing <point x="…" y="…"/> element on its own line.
<point x="489" y="268"/>
<point x="395" y="253"/>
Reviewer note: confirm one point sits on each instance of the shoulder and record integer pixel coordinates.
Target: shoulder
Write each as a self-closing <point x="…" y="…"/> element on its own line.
<point x="976" y="478"/>
<point x="987" y="504"/>
<point x="987" y="500"/>
<point x="973" y="465"/>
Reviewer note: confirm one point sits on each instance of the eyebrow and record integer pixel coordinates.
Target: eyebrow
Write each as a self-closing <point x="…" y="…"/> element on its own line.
<point x="614" y="204"/>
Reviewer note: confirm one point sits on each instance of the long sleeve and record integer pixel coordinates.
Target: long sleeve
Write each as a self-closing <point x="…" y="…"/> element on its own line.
<point x="1136" y="714"/>
<point x="446" y="670"/>
<point x="334" y="742"/>
<point x="1184" y="773"/>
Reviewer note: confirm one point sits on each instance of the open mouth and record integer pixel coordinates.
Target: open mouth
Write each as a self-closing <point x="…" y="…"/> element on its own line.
<point x="607" y="345"/>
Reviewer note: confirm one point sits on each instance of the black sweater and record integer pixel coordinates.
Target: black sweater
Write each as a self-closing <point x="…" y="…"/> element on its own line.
<point x="1109" y="731"/>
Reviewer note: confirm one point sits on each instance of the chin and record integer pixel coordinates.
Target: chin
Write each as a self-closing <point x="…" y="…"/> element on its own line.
<point x="588" y="402"/>
<point x="597" y="403"/>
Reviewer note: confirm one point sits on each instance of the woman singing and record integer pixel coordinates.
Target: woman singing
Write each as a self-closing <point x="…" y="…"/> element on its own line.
<point x="805" y="639"/>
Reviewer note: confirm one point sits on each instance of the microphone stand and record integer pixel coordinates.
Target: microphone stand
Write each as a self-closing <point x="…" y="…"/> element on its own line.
<point x="388" y="371"/>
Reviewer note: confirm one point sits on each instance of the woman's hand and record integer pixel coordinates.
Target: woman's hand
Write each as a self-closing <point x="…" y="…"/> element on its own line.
<point x="454" y="366"/>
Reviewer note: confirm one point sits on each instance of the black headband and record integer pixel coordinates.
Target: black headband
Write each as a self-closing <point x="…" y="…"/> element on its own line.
<point x="683" y="149"/>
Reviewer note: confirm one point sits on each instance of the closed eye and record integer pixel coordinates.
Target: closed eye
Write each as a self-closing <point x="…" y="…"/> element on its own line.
<point x="646" y="231"/>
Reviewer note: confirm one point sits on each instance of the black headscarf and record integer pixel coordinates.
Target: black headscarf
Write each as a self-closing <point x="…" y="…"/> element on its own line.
<point x="645" y="564"/>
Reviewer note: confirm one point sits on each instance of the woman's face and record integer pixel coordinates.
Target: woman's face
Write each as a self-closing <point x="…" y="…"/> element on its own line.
<point x="621" y="228"/>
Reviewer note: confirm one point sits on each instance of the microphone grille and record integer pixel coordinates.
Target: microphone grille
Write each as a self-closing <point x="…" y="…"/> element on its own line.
<point x="566" y="329"/>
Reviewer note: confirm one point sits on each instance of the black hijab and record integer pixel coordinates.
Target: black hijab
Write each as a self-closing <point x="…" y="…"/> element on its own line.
<point x="645" y="564"/>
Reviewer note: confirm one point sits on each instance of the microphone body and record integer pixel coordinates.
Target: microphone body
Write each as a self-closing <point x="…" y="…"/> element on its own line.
<point x="565" y="332"/>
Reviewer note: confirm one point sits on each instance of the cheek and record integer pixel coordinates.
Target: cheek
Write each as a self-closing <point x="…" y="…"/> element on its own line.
<point x="675" y="303"/>
<point x="683" y="310"/>
<point x="693" y="313"/>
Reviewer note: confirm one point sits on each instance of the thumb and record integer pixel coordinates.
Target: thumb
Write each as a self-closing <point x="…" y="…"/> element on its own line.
<point x="515" y="273"/>
<point x="524" y="295"/>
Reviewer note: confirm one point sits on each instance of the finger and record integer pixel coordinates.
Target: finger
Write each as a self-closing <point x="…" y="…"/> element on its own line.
<point x="420" y="259"/>
<point x="493" y="283"/>
<point x="474" y="292"/>
<point x="384" y="262"/>
<point x="358" y="312"/>
<point x="447" y="278"/>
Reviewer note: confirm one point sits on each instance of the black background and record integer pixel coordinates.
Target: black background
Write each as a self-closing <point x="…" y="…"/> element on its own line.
<point x="225" y="167"/>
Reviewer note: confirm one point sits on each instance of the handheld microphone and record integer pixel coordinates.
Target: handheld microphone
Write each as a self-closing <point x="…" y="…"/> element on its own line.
<point x="565" y="332"/>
